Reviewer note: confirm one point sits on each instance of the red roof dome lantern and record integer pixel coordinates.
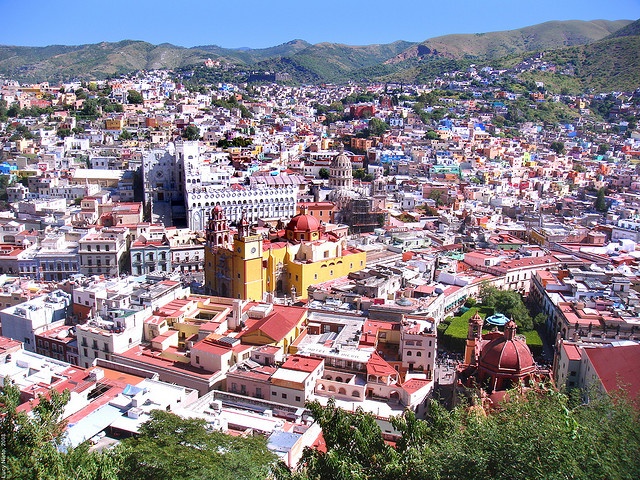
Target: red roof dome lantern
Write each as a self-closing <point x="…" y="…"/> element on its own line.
<point x="303" y="227"/>
<point x="505" y="360"/>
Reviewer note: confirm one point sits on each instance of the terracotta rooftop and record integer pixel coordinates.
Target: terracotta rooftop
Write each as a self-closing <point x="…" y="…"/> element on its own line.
<point x="617" y="367"/>
<point x="302" y="363"/>
<point x="379" y="366"/>
<point x="279" y="323"/>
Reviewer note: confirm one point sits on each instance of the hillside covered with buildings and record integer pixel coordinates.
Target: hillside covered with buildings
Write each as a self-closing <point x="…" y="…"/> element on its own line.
<point x="260" y="259"/>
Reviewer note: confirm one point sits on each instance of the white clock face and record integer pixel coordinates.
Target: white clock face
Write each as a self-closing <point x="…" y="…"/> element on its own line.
<point x="253" y="250"/>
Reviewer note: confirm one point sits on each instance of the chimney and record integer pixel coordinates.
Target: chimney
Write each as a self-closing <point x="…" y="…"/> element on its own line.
<point x="236" y="314"/>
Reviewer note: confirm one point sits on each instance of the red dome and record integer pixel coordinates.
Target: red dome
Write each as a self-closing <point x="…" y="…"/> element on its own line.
<point x="507" y="355"/>
<point x="304" y="223"/>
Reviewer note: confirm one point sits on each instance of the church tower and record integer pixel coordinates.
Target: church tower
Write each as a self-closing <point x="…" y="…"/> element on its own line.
<point x="218" y="255"/>
<point x="217" y="232"/>
<point x="247" y="263"/>
<point x="474" y="335"/>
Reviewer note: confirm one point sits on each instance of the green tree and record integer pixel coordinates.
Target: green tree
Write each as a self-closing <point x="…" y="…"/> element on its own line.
<point x="63" y="132"/>
<point x="539" y="319"/>
<point x="191" y="132"/>
<point x="324" y="173"/>
<point x="355" y="447"/>
<point x="30" y="442"/>
<point x="377" y="127"/>
<point x="545" y="433"/>
<point x="603" y="148"/>
<point x="508" y="303"/>
<point x="3" y="110"/>
<point x="241" y="142"/>
<point x="89" y="108"/>
<point x="125" y="135"/>
<point x="81" y="94"/>
<point x="558" y="147"/>
<point x="360" y="174"/>
<point x="13" y="110"/>
<point x="431" y="135"/>
<point x="134" y="97"/>
<point x="172" y="447"/>
<point x="601" y="204"/>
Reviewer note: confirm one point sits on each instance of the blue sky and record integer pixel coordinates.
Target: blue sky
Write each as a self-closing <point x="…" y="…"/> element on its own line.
<point x="264" y="23"/>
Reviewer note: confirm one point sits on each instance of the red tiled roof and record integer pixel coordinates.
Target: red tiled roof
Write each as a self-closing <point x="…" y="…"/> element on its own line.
<point x="378" y="366"/>
<point x="279" y="323"/>
<point x="572" y="351"/>
<point x="415" y="384"/>
<point x="8" y="343"/>
<point x="617" y="367"/>
<point x="302" y="363"/>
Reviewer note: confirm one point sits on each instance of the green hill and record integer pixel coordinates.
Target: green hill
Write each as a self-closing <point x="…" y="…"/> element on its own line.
<point x="332" y="62"/>
<point x="253" y="55"/>
<point x="628" y="30"/>
<point x="545" y="36"/>
<point x="608" y="65"/>
<point x="95" y="61"/>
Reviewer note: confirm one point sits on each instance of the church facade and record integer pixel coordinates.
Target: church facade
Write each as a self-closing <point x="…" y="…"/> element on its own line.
<point x="247" y="266"/>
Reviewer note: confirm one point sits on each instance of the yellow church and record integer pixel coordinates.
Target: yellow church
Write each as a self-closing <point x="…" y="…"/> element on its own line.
<point x="250" y="267"/>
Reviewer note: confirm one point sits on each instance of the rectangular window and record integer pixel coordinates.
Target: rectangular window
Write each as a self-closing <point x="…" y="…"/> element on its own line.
<point x="197" y="359"/>
<point x="284" y="395"/>
<point x="297" y="398"/>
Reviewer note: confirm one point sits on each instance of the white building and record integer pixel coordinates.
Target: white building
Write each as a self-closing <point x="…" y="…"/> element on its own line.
<point x="418" y="346"/>
<point x="21" y="322"/>
<point x="103" y="253"/>
<point x="267" y="203"/>
<point x="161" y="175"/>
<point x="117" y="332"/>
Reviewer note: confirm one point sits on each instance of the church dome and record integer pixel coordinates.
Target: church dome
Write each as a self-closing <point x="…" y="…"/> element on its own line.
<point x="303" y="227"/>
<point x="341" y="161"/>
<point x="507" y="355"/>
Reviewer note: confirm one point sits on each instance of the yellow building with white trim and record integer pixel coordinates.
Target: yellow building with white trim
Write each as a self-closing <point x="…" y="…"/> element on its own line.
<point x="250" y="268"/>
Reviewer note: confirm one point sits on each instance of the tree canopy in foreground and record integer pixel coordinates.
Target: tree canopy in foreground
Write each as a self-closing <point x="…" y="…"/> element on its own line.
<point x="537" y="434"/>
<point x="168" y="447"/>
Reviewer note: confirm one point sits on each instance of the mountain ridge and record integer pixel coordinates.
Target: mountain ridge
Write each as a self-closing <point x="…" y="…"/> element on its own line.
<point x="320" y="62"/>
